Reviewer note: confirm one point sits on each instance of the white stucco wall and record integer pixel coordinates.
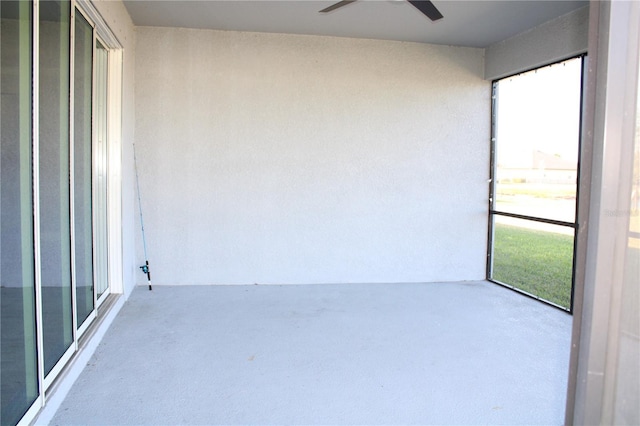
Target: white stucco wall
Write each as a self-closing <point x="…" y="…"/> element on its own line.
<point x="267" y="158"/>
<point x="117" y="18"/>
<point x="553" y="41"/>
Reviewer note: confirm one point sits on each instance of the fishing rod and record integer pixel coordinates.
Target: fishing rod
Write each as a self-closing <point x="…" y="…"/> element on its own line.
<point x="145" y="267"/>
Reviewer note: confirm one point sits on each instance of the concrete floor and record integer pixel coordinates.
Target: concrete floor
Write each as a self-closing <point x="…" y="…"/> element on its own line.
<point x="442" y="353"/>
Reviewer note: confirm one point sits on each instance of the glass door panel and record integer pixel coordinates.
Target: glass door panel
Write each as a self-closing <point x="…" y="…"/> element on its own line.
<point x="82" y="181"/>
<point x="100" y="158"/>
<point x="19" y="371"/>
<point x="54" y="185"/>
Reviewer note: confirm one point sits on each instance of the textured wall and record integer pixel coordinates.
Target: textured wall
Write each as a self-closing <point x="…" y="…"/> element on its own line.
<point x="550" y="42"/>
<point x="269" y="158"/>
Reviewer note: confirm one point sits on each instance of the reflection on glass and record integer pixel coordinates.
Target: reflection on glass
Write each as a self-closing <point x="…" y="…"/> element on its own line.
<point x="82" y="81"/>
<point x="19" y="385"/>
<point x="100" y="205"/>
<point x="627" y="376"/>
<point x="537" y="138"/>
<point x="534" y="257"/>
<point x="54" y="180"/>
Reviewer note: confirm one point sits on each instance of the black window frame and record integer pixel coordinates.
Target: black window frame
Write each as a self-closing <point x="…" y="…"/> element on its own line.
<point x="492" y="212"/>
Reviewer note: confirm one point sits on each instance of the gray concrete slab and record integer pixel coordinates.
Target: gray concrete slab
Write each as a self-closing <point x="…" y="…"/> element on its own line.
<point x="438" y="353"/>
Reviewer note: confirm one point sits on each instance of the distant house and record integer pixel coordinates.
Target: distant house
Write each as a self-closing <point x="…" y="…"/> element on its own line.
<point x="545" y="168"/>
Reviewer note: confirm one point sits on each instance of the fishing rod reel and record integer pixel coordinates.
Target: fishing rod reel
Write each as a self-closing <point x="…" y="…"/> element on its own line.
<point x="145" y="270"/>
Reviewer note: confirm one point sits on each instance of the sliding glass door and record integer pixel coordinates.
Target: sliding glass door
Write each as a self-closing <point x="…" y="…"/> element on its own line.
<point x="19" y="384"/>
<point x="53" y="187"/>
<point x="101" y="167"/>
<point x="82" y="167"/>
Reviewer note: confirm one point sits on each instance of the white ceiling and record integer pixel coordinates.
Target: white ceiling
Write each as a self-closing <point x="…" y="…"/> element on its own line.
<point x="475" y="23"/>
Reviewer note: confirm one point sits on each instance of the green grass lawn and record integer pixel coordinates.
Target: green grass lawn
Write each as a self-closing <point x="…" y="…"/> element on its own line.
<point x="535" y="261"/>
<point x="549" y="191"/>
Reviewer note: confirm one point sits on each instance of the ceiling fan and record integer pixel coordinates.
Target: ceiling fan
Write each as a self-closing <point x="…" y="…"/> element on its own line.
<point x="424" y="6"/>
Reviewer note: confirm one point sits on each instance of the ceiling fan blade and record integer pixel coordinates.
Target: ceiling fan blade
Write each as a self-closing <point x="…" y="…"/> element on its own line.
<point x="428" y="8"/>
<point x="337" y="5"/>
